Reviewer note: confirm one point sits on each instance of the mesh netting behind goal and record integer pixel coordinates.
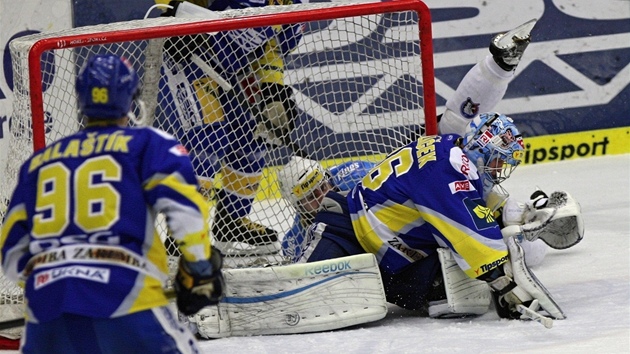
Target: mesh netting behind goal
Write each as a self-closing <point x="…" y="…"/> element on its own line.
<point x="361" y="77"/>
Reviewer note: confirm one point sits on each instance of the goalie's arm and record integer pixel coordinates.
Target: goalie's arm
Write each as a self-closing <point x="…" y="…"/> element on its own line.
<point x="237" y="92"/>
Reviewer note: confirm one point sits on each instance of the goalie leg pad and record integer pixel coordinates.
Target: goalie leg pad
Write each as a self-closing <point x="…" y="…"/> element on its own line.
<point x="465" y="296"/>
<point x="298" y="298"/>
<point x="527" y="281"/>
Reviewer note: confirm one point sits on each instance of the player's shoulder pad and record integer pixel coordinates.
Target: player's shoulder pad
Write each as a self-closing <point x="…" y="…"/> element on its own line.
<point x="161" y="133"/>
<point x="164" y="140"/>
<point x="459" y="160"/>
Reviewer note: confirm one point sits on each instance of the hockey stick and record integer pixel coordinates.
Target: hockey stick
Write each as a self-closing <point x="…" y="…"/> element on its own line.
<point x="20" y="322"/>
<point x="237" y="92"/>
<point x="530" y="314"/>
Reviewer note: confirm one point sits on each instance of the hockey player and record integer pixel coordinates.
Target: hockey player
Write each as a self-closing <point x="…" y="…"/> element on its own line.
<point x="427" y="195"/>
<point x="79" y="232"/>
<point x="405" y="260"/>
<point x="222" y="134"/>
<point x="303" y="184"/>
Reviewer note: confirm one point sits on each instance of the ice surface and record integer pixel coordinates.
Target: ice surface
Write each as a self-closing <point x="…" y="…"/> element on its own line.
<point x="591" y="282"/>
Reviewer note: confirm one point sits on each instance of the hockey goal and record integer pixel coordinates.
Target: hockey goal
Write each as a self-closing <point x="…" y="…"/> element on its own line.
<point x="362" y="80"/>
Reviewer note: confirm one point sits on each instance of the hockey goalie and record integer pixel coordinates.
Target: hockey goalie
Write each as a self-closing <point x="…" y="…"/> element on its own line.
<point x="440" y="280"/>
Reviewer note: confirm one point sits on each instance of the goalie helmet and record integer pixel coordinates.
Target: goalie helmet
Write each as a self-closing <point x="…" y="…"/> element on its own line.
<point x="303" y="183"/>
<point x="494" y="145"/>
<point x="106" y="86"/>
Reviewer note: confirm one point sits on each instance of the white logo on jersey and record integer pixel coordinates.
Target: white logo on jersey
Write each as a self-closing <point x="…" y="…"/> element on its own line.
<point x="100" y="275"/>
<point x="459" y="186"/>
<point x="462" y="164"/>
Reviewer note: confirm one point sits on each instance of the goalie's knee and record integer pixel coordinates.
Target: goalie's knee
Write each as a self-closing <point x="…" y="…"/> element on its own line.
<point x="465" y="296"/>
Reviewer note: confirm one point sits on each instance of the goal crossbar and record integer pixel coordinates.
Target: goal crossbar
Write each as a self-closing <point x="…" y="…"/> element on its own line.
<point x="185" y="27"/>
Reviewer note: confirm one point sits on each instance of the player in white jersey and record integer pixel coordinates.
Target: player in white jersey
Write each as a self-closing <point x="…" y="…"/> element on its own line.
<point x="79" y="231"/>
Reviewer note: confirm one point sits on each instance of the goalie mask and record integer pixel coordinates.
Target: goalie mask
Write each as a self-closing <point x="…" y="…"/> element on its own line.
<point x="495" y="146"/>
<point x="106" y="86"/>
<point x="304" y="183"/>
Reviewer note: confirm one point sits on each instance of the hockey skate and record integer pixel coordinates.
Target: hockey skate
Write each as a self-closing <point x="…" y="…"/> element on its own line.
<point x="242" y="237"/>
<point x="507" y="48"/>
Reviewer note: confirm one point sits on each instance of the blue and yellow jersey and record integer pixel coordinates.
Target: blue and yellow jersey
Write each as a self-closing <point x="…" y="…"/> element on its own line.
<point x="192" y="106"/>
<point x="425" y="195"/>
<point x="343" y="178"/>
<point x="79" y="231"/>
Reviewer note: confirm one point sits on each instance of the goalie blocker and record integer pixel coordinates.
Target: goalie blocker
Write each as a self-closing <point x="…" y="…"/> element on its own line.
<point x="296" y="298"/>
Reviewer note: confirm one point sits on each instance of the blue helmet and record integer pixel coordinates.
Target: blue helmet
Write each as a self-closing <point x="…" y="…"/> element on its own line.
<point x="106" y="86"/>
<point x="494" y="145"/>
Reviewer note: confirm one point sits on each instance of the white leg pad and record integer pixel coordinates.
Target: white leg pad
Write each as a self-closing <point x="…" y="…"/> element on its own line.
<point x="526" y="280"/>
<point x="296" y="298"/>
<point x="465" y="296"/>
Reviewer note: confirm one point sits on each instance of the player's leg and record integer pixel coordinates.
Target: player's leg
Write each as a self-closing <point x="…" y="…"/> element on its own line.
<point x="242" y="166"/>
<point x="66" y="334"/>
<point x="416" y="285"/>
<point x="152" y="331"/>
<point x="486" y="83"/>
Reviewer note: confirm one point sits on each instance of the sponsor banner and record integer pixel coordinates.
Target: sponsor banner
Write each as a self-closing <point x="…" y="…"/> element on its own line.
<point x="550" y="148"/>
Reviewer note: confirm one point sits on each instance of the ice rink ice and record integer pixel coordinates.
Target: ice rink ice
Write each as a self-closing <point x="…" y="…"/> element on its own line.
<point x="590" y="282"/>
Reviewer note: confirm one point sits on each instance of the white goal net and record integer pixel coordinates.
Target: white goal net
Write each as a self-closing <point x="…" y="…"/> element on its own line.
<point x="359" y="77"/>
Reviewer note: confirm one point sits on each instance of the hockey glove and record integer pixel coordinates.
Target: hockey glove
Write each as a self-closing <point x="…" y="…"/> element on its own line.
<point x="507" y="295"/>
<point x="559" y="224"/>
<point x="199" y="284"/>
<point x="533" y="216"/>
<point x="555" y="219"/>
<point x="278" y="109"/>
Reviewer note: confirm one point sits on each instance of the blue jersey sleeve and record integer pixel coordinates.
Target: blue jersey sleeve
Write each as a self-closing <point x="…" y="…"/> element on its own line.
<point x="171" y="187"/>
<point x="346" y="175"/>
<point x="81" y="221"/>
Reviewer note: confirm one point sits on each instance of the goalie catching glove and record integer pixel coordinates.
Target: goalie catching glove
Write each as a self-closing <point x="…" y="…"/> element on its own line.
<point x="199" y="284"/>
<point x="555" y="219"/>
<point x="278" y="111"/>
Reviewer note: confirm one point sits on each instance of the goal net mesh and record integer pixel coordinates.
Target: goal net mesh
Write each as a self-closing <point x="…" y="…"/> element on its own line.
<point x="355" y="77"/>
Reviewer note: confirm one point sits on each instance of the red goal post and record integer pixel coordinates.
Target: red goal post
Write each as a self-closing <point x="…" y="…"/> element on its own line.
<point x="186" y="28"/>
<point x="397" y="95"/>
